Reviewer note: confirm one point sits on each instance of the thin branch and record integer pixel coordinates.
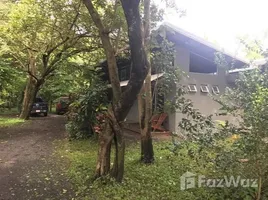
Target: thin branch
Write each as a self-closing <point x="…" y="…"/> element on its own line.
<point x="75" y="18"/>
<point x="20" y="62"/>
<point x="109" y="50"/>
<point x="31" y="74"/>
<point x="57" y="45"/>
<point x="59" y="58"/>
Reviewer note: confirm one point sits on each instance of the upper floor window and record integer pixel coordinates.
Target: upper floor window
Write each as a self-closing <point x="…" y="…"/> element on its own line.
<point x="204" y="88"/>
<point x="215" y="89"/>
<point x="201" y="64"/>
<point x="192" y="88"/>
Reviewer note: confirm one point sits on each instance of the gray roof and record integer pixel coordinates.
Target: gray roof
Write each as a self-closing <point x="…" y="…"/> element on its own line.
<point x="203" y="41"/>
<point x="253" y="65"/>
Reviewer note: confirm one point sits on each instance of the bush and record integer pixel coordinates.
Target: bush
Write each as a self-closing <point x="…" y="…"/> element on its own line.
<point x="158" y="181"/>
<point x="84" y="109"/>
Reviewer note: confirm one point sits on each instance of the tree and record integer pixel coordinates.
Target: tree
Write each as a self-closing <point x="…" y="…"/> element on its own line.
<point x="39" y="41"/>
<point x="253" y="48"/>
<point x="248" y="101"/>
<point x="11" y="84"/>
<point x="145" y="95"/>
<point x="122" y="101"/>
<point x="152" y="14"/>
<point x="239" y="148"/>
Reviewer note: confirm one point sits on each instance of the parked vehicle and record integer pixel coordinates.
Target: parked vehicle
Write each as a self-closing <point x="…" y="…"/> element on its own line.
<point x="62" y="105"/>
<point x="39" y="107"/>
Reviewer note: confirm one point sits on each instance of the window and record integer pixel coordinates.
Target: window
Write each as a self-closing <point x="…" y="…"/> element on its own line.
<point x="215" y="89"/>
<point x="201" y="64"/>
<point x="192" y="88"/>
<point x="123" y="74"/>
<point x="204" y="89"/>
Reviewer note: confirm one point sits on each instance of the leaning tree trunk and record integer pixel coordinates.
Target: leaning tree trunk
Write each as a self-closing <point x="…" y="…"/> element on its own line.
<point x="145" y="96"/>
<point x="28" y="99"/>
<point x="31" y="89"/>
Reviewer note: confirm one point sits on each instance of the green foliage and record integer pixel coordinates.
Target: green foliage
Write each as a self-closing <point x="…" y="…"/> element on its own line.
<point x="84" y="109"/>
<point x="158" y="181"/>
<point x="162" y="57"/>
<point x="252" y="47"/>
<point x="70" y="78"/>
<point x="249" y="102"/>
<point x="235" y="149"/>
<point x="12" y="83"/>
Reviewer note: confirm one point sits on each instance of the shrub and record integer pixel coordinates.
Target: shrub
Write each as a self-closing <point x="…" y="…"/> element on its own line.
<point x="84" y="109"/>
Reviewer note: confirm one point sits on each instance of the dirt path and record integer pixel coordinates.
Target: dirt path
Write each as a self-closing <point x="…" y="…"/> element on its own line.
<point x="27" y="167"/>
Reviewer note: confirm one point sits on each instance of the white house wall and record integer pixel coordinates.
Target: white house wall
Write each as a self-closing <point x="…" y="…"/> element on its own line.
<point x="202" y="101"/>
<point x="133" y="115"/>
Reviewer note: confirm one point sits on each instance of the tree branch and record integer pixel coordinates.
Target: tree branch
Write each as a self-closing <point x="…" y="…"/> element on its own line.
<point x="20" y="62"/>
<point x="138" y="56"/>
<point x="30" y="73"/>
<point x="109" y="52"/>
<point x="59" y="58"/>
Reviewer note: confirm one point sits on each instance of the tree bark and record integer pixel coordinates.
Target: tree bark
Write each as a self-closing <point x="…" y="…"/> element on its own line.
<point x="106" y="136"/>
<point x="119" y="159"/>
<point x="31" y="89"/>
<point x="145" y="96"/>
<point x="121" y="103"/>
<point x="145" y="115"/>
<point x="28" y="99"/>
<point x="104" y="152"/>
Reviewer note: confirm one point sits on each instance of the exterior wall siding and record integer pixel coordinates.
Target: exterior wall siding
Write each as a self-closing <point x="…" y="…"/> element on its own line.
<point x="202" y="101"/>
<point x="133" y="114"/>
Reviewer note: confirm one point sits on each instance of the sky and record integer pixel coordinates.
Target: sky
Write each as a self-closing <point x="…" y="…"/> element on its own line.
<point x="222" y="21"/>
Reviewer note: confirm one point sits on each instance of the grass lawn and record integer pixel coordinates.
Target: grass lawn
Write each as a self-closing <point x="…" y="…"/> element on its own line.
<point x="10" y="121"/>
<point x="160" y="180"/>
<point x="12" y="111"/>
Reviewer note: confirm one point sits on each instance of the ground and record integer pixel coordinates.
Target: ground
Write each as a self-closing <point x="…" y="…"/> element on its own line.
<point x="27" y="167"/>
<point x="38" y="162"/>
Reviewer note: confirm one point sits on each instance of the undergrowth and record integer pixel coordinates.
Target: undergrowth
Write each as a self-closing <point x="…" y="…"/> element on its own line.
<point x="160" y="180"/>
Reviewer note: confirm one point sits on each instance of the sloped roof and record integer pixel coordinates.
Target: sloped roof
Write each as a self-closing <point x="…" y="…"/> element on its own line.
<point x="203" y="41"/>
<point x="254" y="65"/>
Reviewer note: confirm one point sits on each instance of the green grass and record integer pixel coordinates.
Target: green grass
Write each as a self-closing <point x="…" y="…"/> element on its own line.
<point x="10" y="121"/>
<point x="12" y="111"/>
<point x="160" y="180"/>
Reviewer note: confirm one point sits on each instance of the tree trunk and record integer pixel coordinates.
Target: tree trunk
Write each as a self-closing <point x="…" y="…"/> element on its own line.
<point x="104" y="152"/>
<point x="121" y="103"/>
<point x="32" y="88"/>
<point x="145" y="115"/>
<point x="50" y="105"/>
<point x="28" y="99"/>
<point x="145" y="97"/>
<point x="119" y="159"/>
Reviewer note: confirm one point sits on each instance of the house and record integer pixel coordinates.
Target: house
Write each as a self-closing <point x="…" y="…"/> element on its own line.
<point x="196" y="57"/>
<point x="205" y="79"/>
